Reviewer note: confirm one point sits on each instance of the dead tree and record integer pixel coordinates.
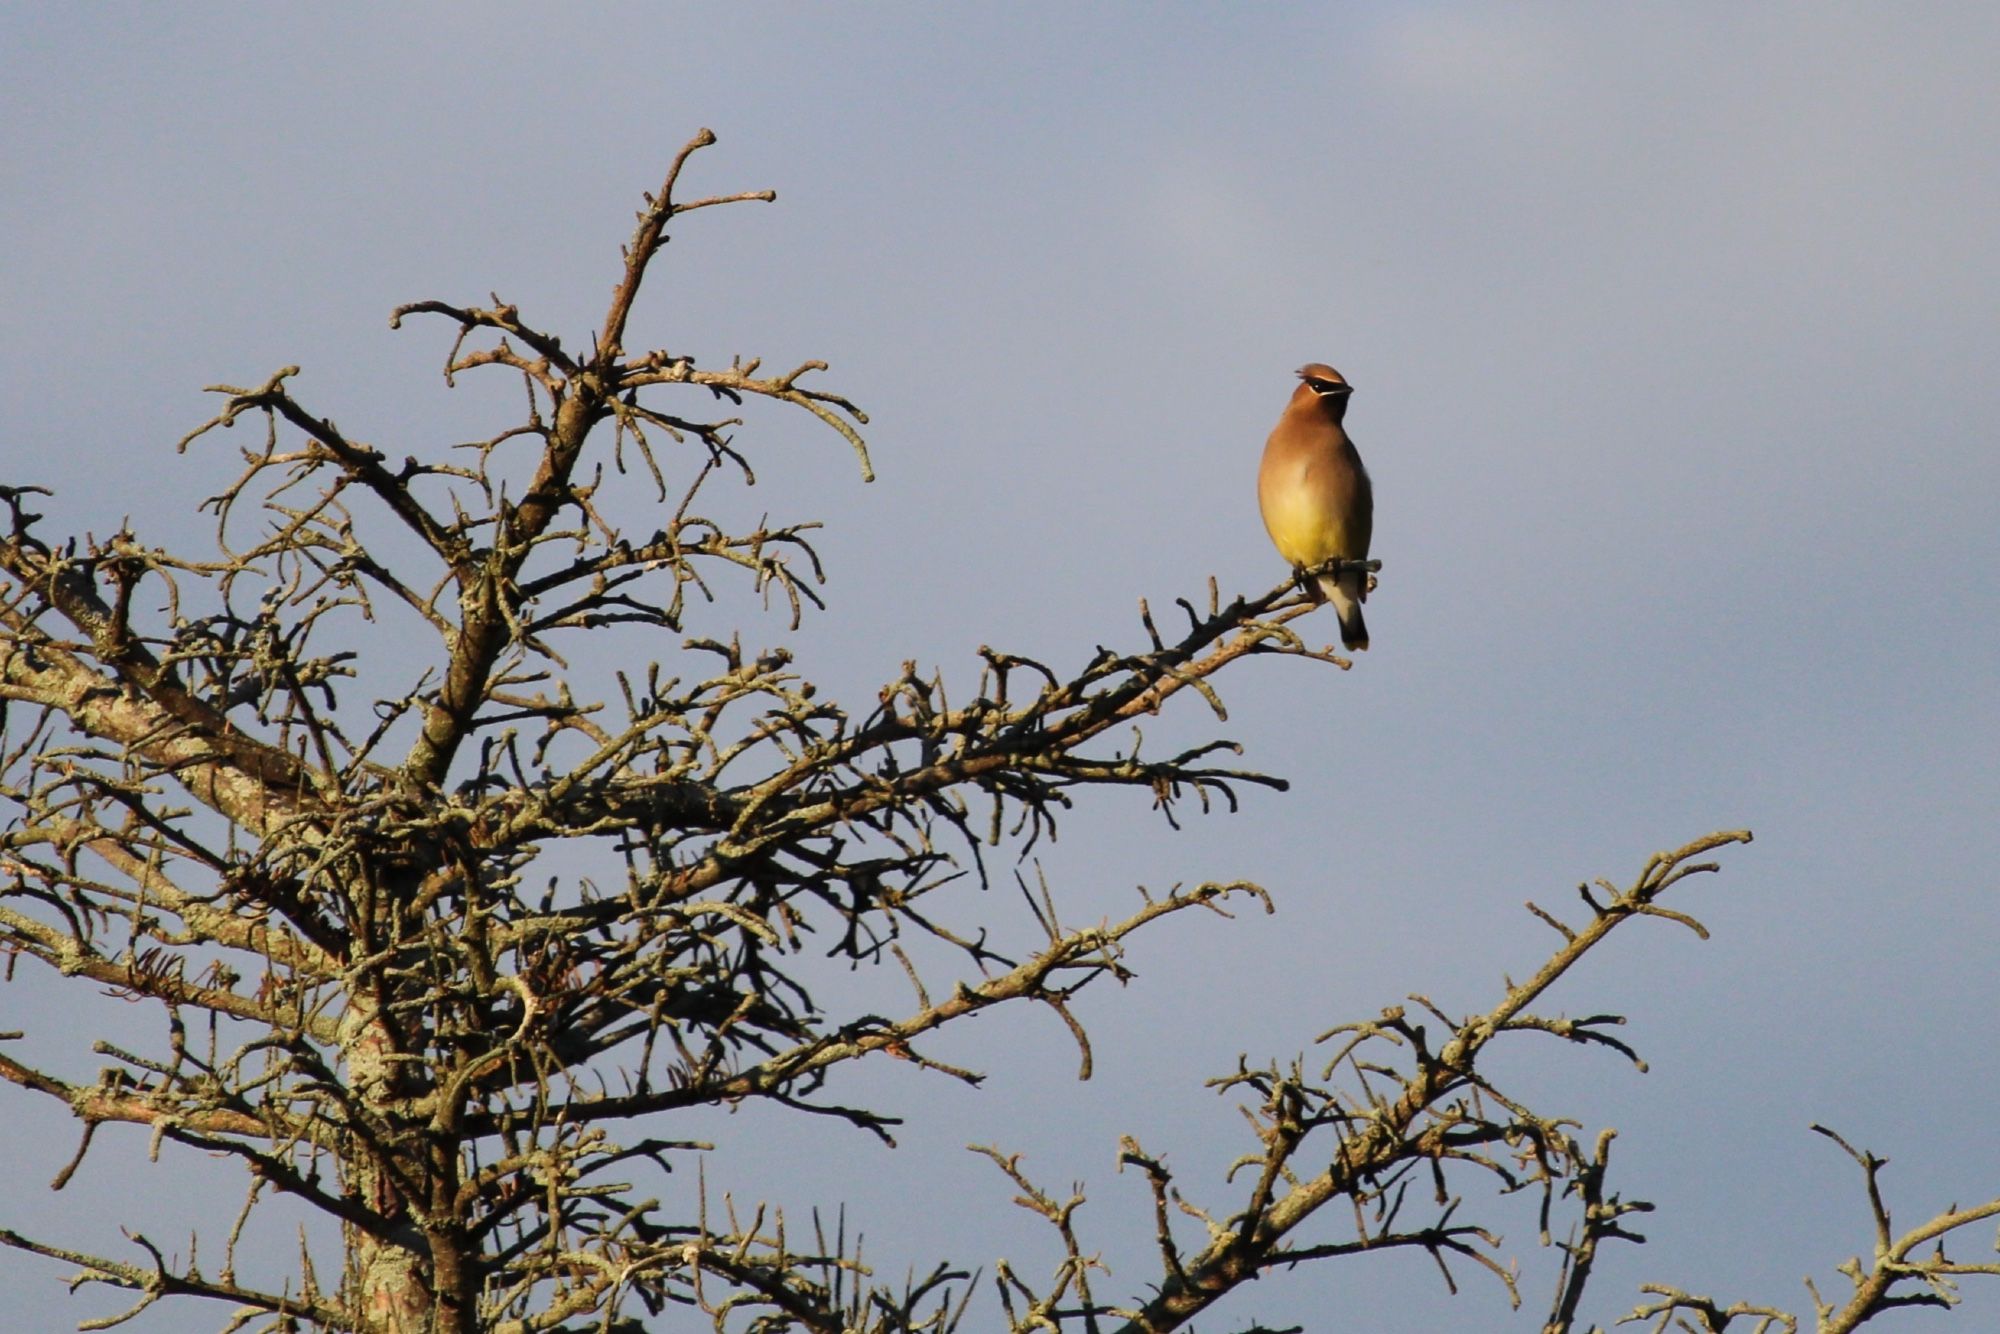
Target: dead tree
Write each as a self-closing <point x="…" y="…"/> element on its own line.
<point x="442" y="922"/>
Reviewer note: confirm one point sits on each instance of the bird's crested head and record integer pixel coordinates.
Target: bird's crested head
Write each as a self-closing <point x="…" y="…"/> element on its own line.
<point x="1324" y="380"/>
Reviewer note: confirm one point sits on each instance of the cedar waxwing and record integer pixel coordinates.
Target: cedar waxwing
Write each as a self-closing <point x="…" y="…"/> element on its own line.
<point x="1317" y="503"/>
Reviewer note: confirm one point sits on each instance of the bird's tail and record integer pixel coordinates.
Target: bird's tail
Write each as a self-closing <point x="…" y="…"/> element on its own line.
<point x="1345" y="593"/>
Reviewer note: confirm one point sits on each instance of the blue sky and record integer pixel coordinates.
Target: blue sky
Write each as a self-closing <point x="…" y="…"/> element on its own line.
<point x="1673" y="333"/>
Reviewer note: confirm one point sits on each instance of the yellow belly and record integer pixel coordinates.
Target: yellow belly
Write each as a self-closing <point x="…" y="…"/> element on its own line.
<point x="1306" y="533"/>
